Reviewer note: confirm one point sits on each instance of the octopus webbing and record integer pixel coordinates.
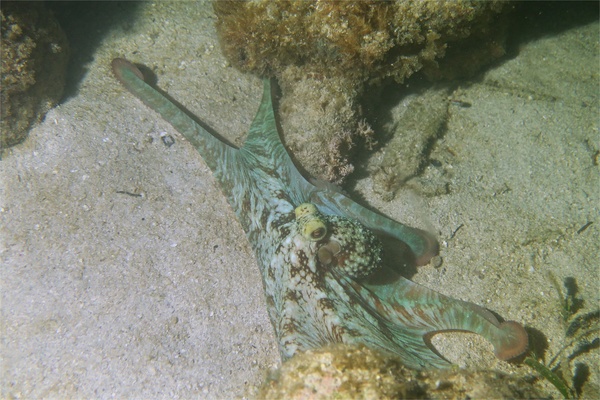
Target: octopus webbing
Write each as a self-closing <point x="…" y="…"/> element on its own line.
<point x="321" y="255"/>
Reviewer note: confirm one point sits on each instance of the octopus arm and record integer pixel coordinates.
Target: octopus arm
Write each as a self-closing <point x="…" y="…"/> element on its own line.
<point x="412" y="313"/>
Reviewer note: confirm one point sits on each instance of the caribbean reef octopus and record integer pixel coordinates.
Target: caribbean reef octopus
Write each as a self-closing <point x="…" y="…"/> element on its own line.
<point x="321" y="255"/>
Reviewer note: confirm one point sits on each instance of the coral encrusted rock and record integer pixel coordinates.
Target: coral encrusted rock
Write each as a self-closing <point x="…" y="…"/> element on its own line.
<point x="34" y="61"/>
<point x="326" y="53"/>
<point x="357" y="372"/>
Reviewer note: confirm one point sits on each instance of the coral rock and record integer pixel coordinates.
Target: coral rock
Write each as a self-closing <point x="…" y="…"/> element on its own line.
<point x="357" y="372"/>
<point x="326" y="53"/>
<point x="34" y="60"/>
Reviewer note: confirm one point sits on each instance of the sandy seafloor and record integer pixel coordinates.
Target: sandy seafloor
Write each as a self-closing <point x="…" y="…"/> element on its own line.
<point x="158" y="294"/>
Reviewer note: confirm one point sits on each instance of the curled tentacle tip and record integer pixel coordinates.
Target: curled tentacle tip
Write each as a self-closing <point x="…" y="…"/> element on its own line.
<point x="514" y="341"/>
<point x="120" y="64"/>
<point x="430" y="249"/>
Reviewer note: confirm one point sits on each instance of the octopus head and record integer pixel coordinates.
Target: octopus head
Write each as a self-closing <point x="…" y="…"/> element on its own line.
<point x="342" y="244"/>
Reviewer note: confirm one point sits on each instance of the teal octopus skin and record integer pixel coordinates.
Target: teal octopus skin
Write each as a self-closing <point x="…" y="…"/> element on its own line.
<point x="320" y="253"/>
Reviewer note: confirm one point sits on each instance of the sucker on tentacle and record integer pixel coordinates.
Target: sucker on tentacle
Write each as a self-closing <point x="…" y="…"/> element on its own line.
<point x="318" y="250"/>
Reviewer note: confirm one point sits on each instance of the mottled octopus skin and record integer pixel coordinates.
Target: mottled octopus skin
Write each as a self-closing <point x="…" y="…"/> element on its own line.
<point x="311" y="304"/>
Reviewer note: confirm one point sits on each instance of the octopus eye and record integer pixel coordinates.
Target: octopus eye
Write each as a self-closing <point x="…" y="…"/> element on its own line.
<point x="318" y="233"/>
<point x="313" y="228"/>
<point x="310" y="222"/>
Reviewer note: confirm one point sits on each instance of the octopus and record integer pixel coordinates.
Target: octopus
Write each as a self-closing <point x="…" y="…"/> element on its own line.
<point x="327" y="263"/>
